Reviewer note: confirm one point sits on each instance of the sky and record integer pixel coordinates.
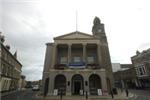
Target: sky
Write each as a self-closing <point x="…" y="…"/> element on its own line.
<point x="29" y="24"/>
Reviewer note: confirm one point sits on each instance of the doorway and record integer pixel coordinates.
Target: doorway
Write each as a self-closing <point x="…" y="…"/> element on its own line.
<point x="77" y="84"/>
<point x="77" y="87"/>
<point x="94" y="84"/>
<point x="60" y="84"/>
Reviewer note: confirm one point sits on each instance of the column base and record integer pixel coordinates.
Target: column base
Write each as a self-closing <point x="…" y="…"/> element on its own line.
<point x="50" y="94"/>
<point x="87" y="93"/>
<point x="68" y="93"/>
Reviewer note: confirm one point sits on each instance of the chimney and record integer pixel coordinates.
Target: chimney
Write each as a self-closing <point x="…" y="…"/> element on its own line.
<point x="15" y="54"/>
<point x="2" y="38"/>
<point x="7" y="47"/>
<point x="137" y="52"/>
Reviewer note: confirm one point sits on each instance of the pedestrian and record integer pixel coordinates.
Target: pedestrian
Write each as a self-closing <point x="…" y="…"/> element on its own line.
<point x="44" y="95"/>
<point x="112" y="95"/>
<point x="127" y="92"/>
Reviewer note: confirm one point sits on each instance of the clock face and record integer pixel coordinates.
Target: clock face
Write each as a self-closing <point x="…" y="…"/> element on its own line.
<point x="99" y="30"/>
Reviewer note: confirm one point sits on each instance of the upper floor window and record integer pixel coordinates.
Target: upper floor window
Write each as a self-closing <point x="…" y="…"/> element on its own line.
<point x="77" y="59"/>
<point x="90" y="59"/>
<point x="140" y="70"/>
<point x="63" y="60"/>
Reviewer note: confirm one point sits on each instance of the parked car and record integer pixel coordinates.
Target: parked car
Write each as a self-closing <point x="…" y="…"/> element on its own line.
<point x="36" y="88"/>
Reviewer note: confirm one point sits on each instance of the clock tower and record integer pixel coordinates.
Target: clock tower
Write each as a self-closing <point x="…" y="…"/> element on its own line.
<point x="98" y="30"/>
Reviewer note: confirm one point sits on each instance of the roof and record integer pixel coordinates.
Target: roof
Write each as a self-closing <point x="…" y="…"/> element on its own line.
<point x="10" y="54"/>
<point x="75" y="35"/>
<point x="143" y="53"/>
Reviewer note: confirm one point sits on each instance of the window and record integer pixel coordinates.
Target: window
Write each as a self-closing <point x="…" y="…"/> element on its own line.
<point x="140" y="70"/>
<point x="77" y="59"/>
<point x="90" y="59"/>
<point x="143" y="67"/>
<point x="63" y="60"/>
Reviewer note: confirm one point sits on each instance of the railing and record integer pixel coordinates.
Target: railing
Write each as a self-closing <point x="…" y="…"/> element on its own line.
<point x="60" y="66"/>
<point x="77" y="65"/>
<point x="93" y="65"/>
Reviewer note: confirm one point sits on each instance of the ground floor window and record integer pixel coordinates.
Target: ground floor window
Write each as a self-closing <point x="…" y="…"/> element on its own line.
<point x="76" y="84"/>
<point x="60" y="84"/>
<point x="94" y="84"/>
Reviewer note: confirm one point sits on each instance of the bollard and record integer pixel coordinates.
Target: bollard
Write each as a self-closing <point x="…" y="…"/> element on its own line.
<point x="112" y="95"/>
<point x="86" y="95"/>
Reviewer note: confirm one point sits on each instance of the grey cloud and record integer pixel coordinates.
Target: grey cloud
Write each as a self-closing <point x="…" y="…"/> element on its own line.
<point x="33" y="72"/>
<point x="145" y="45"/>
<point x="23" y="28"/>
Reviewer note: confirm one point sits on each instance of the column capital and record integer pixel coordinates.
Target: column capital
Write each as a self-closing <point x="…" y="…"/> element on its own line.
<point x="55" y="44"/>
<point x="69" y="44"/>
<point x="84" y="44"/>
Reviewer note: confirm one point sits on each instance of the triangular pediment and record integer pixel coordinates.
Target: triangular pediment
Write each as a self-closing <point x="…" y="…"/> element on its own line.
<point x="75" y="35"/>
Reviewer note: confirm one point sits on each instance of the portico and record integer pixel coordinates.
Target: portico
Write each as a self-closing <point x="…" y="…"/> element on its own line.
<point x="76" y="55"/>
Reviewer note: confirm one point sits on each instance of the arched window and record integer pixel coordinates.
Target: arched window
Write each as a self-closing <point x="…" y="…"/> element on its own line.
<point x="94" y="84"/>
<point x="60" y="84"/>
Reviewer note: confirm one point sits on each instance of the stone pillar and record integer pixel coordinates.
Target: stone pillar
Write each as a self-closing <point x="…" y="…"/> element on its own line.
<point x="103" y="80"/>
<point x="99" y="55"/>
<point x="68" y="85"/>
<point x="54" y="55"/>
<point x="51" y="85"/>
<point x="84" y="53"/>
<point x="86" y="87"/>
<point x="69" y="53"/>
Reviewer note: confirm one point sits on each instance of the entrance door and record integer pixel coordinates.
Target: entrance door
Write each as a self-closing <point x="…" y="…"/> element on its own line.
<point x="60" y="84"/>
<point x="77" y="87"/>
<point x="94" y="84"/>
<point x="77" y="84"/>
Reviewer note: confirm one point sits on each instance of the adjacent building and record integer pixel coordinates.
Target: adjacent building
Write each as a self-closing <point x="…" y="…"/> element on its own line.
<point x="125" y="76"/>
<point x="10" y="69"/>
<point x="141" y="62"/>
<point x="22" y="82"/>
<point x="77" y="62"/>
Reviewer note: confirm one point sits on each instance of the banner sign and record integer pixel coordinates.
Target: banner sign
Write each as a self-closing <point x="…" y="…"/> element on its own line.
<point x="99" y="91"/>
<point x="55" y="92"/>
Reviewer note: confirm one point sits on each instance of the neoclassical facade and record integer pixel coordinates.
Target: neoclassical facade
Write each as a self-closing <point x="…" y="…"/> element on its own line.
<point x="77" y="62"/>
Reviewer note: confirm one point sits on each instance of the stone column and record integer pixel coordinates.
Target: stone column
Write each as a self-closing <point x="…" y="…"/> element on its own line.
<point x="69" y="53"/>
<point x="54" y="55"/>
<point x="86" y="87"/>
<point x="51" y="85"/>
<point x="99" y="55"/>
<point x="68" y="86"/>
<point x="84" y="53"/>
<point x="103" y="80"/>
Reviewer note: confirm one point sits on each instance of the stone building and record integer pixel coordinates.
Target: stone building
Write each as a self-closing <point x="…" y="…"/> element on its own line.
<point x="77" y="62"/>
<point x="141" y="62"/>
<point x="22" y="82"/>
<point x="125" y="77"/>
<point x="10" y="69"/>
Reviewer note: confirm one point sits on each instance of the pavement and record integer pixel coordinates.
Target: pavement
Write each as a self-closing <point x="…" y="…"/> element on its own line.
<point x="34" y="95"/>
<point x="20" y="95"/>
<point x="140" y="94"/>
<point x="119" y="96"/>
